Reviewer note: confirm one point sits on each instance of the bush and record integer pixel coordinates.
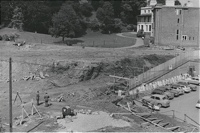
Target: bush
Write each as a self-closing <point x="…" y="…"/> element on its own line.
<point x="131" y="27"/>
<point x="11" y="37"/>
<point x="140" y="33"/>
<point x="5" y="37"/>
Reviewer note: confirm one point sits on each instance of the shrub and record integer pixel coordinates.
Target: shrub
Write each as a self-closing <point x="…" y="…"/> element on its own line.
<point x="140" y="33"/>
<point x="131" y="27"/>
<point x="12" y="38"/>
<point x="5" y="37"/>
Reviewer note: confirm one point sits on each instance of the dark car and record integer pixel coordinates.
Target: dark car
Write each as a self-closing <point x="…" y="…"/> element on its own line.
<point x="178" y="88"/>
<point x="161" y="91"/>
<point x="174" y="91"/>
<point x="169" y="93"/>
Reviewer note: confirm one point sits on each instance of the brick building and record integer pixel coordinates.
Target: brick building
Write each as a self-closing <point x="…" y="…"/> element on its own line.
<point x="176" y="25"/>
<point x="170" y="24"/>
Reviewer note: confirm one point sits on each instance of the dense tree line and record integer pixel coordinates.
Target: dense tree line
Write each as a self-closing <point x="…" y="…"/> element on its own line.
<point x="71" y="18"/>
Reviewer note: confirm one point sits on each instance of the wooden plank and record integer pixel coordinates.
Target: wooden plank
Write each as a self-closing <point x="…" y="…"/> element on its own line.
<point x="145" y="115"/>
<point x="152" y="119"/>
<point x="119" y="77"/>
<point x="173" y="128"/>
<point x="164" y="124"/>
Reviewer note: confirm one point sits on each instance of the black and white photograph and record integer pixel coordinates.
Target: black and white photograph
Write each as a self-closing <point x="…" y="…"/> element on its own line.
<point x="100" y="66"/>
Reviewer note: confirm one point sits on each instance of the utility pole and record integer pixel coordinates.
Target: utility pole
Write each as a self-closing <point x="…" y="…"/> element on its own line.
<point x="10" y="92"/>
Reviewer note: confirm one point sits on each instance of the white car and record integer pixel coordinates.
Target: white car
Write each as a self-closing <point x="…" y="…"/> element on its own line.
<point x="198" y="104"/>
<point x="185" y="88"/>
<point x="193" y="80"/>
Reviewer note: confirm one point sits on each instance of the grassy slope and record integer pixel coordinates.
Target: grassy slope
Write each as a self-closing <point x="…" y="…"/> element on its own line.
<point x="92" y="39"/>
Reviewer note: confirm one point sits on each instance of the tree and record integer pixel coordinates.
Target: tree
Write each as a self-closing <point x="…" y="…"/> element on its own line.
<point x="106" y="16"/>
<point x="17" y="19"/>
<point x="130" y="10"/>
<point x="37" y="16"/>
<point x="86" y="9"/>
<point x="65" y="23"/>
<point x="177" y="2"/>
<point x="100" y="14"/>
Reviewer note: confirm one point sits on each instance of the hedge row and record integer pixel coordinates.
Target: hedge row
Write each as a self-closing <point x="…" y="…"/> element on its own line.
<point x="11" y="37"/>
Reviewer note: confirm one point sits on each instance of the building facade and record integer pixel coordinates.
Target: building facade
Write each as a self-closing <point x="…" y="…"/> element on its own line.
<point x="144" y="20"/>
<point x="169" y="24"/>
<point x="176" y="25"/>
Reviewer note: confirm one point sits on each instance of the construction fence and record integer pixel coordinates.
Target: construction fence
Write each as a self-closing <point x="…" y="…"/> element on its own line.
<point x="158" y="71"/>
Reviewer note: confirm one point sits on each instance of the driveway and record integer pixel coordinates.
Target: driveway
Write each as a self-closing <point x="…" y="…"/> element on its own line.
<point x="139" y="41"/>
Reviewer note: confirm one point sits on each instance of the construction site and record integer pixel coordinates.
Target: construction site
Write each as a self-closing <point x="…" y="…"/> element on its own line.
<point x="102" y="87"/>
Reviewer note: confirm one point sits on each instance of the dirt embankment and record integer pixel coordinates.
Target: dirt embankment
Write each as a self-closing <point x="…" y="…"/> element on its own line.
<point x="63" y="73"/>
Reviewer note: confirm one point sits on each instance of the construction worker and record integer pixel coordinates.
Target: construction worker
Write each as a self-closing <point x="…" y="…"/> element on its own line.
<point x="46" y="100"/>
<point x="38" y="98"/>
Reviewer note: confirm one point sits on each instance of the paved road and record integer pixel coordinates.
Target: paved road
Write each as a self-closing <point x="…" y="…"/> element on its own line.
<point x="185" y="104"/>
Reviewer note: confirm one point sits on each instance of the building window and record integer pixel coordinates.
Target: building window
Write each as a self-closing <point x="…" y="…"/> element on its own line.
<point x="178" y="20"/>
<point x="177" y="34"/>
<point x="184" y="37"/>
<point x="146" y="27"/>
<point x="193" y="38"/>
<point x="149" y="27"/>
<point x="178" y="11"/>
<point x="190" y="38"/>
<point x="142" y="27"/>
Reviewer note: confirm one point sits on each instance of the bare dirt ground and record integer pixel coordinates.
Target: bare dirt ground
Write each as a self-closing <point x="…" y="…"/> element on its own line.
<point x="88" y="94"/>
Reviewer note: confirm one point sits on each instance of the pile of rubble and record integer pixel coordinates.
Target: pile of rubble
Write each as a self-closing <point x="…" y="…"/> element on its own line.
<point x="34" y="77"/>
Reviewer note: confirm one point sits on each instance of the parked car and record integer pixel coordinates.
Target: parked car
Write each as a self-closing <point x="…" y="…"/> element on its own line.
<point x="159" y="100"/>
<point x="185" y="82"/>
<point x="198" y="104"/>
<point x="185" y="88"/>
<point x="150" y="105"/>
<point x="163" y="91"/>
<point x="193" y="80"/>
<point x="170" y="89"/>
<point x="178" y="88"/>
